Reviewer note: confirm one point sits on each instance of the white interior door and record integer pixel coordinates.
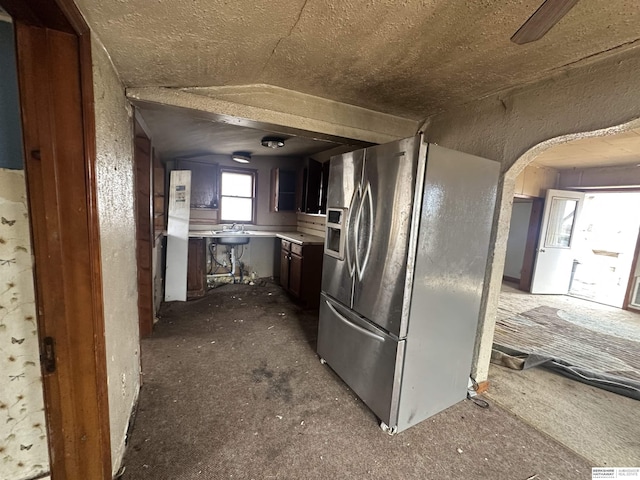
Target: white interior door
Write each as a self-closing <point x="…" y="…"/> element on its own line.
<point x="556" y="252"/>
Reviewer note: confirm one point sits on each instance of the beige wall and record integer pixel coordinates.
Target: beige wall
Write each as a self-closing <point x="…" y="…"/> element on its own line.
<point x="534" y="181"/>
<point x="592" y="98"/>
<point x="114" y="167"/>
<point x="609" y="177"/>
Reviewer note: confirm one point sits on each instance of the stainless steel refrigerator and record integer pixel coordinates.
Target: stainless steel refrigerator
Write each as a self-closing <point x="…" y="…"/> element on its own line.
<point x="407" y="239"/>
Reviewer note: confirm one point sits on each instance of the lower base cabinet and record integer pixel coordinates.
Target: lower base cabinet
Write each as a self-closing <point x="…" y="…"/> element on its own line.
<point x="197" y="268"/>
<point x="301" y="272"/>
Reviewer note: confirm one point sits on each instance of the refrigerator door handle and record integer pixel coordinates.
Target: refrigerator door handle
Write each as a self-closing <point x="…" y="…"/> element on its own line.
<point x="364" y="331"/>
<point x="366" y="197"/>
<point x="350" y="244"/>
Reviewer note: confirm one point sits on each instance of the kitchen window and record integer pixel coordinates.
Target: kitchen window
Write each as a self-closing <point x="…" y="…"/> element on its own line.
<point x="237" y="195"/>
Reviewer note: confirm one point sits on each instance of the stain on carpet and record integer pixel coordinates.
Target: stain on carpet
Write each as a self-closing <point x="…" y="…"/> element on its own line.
<point x="278" y="384"/>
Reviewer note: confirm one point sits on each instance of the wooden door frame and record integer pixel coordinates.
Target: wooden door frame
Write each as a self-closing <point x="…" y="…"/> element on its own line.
<point x="61" y="185"/>
<point x="531" y="247"/>
<point x="632" y="275"/>
<point x="143" y="174"/>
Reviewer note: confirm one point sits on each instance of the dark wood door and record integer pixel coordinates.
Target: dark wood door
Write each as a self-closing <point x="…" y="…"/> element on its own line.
<point x="56" y="96"/>
<point x="144" y="227"/>
<point x="284" y="268"/>
<point x="295" y="274"/>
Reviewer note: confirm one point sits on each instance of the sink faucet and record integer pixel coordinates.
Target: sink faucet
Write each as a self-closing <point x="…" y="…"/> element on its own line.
<point x="234" y="227"/>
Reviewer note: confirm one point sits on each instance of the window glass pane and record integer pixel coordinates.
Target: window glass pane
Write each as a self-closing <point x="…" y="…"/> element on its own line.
<point x="237" y="184"/>
<point x="236" y="209"/>
<point x="561" y="218"/>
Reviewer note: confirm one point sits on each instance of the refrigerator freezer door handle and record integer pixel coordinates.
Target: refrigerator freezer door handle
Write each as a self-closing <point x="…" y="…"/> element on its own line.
<point x="364" y="331"/>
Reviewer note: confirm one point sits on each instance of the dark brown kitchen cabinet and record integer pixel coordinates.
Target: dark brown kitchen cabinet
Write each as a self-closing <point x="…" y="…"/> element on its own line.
<point x="196" y="268"/>
<point x="316" y="181"/>
<point x="284" y="264"/>
<point x="284" y="193"/>
<point x="204" y="181"/>
<point x="301" y="272"/>
<point x="295" y="274"/>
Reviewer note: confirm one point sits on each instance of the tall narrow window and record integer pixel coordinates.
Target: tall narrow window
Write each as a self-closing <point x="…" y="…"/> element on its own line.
<point x="561" y="222"/>
<point x="237" y="195"/>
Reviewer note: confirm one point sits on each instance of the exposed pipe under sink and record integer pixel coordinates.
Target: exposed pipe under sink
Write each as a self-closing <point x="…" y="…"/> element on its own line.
<point x="232" y="273"/>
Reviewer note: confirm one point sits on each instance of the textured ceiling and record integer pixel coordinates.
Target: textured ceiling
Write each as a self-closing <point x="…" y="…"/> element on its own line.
<point x="409" y="58"/>
<point x="178" y="133"/>
<point x="175" y="134"/>
<point x="620" y="149"/>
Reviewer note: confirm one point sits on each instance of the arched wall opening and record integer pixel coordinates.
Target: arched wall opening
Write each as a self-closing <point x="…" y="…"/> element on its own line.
<point x="507" y="189"/>
<point x="591" y="98"/>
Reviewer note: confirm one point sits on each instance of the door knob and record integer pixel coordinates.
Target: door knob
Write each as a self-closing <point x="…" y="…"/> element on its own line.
<point x="542" y="250"/>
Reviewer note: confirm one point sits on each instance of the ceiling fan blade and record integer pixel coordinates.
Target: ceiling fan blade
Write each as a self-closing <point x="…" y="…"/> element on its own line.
<point x="538" y="24"/>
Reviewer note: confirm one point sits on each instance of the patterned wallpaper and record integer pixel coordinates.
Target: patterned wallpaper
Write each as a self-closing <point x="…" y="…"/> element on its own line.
<point x="23" y="436"/>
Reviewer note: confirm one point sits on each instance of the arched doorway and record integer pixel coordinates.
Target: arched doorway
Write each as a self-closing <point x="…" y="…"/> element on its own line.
<point x="590" y="340"/>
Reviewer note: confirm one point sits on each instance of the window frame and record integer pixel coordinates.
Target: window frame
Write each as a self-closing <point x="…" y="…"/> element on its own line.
<point x="254" y="198"/>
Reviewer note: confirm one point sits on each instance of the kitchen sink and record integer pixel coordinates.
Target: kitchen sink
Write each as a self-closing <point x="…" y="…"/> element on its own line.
<point x="232" y="237"/>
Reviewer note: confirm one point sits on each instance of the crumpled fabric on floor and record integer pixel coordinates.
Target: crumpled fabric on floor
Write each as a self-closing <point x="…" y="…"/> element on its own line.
<point x="514" y="359"/>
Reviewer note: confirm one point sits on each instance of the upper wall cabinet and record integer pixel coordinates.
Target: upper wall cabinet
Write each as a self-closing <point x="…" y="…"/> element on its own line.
<point x="316" y="183"/>
<point x="204" y="182"/>
<point x="284" y="190"/>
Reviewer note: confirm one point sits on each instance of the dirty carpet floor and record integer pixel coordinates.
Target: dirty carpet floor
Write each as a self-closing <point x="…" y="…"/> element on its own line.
<point x="232" y="388"/>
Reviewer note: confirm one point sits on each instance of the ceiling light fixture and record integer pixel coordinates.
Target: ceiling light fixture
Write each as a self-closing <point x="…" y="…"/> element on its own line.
<point x="272" y="142"/>
<point x="241" y="157"/>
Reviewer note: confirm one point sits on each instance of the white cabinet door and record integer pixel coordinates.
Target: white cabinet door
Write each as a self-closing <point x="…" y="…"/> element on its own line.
<point x="556" y="252"/>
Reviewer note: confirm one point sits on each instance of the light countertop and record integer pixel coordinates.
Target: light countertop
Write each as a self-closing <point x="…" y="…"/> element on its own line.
<point x="295" y="237"/>
<point x="221" y="233"/>
<point x="301" y="238"/>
